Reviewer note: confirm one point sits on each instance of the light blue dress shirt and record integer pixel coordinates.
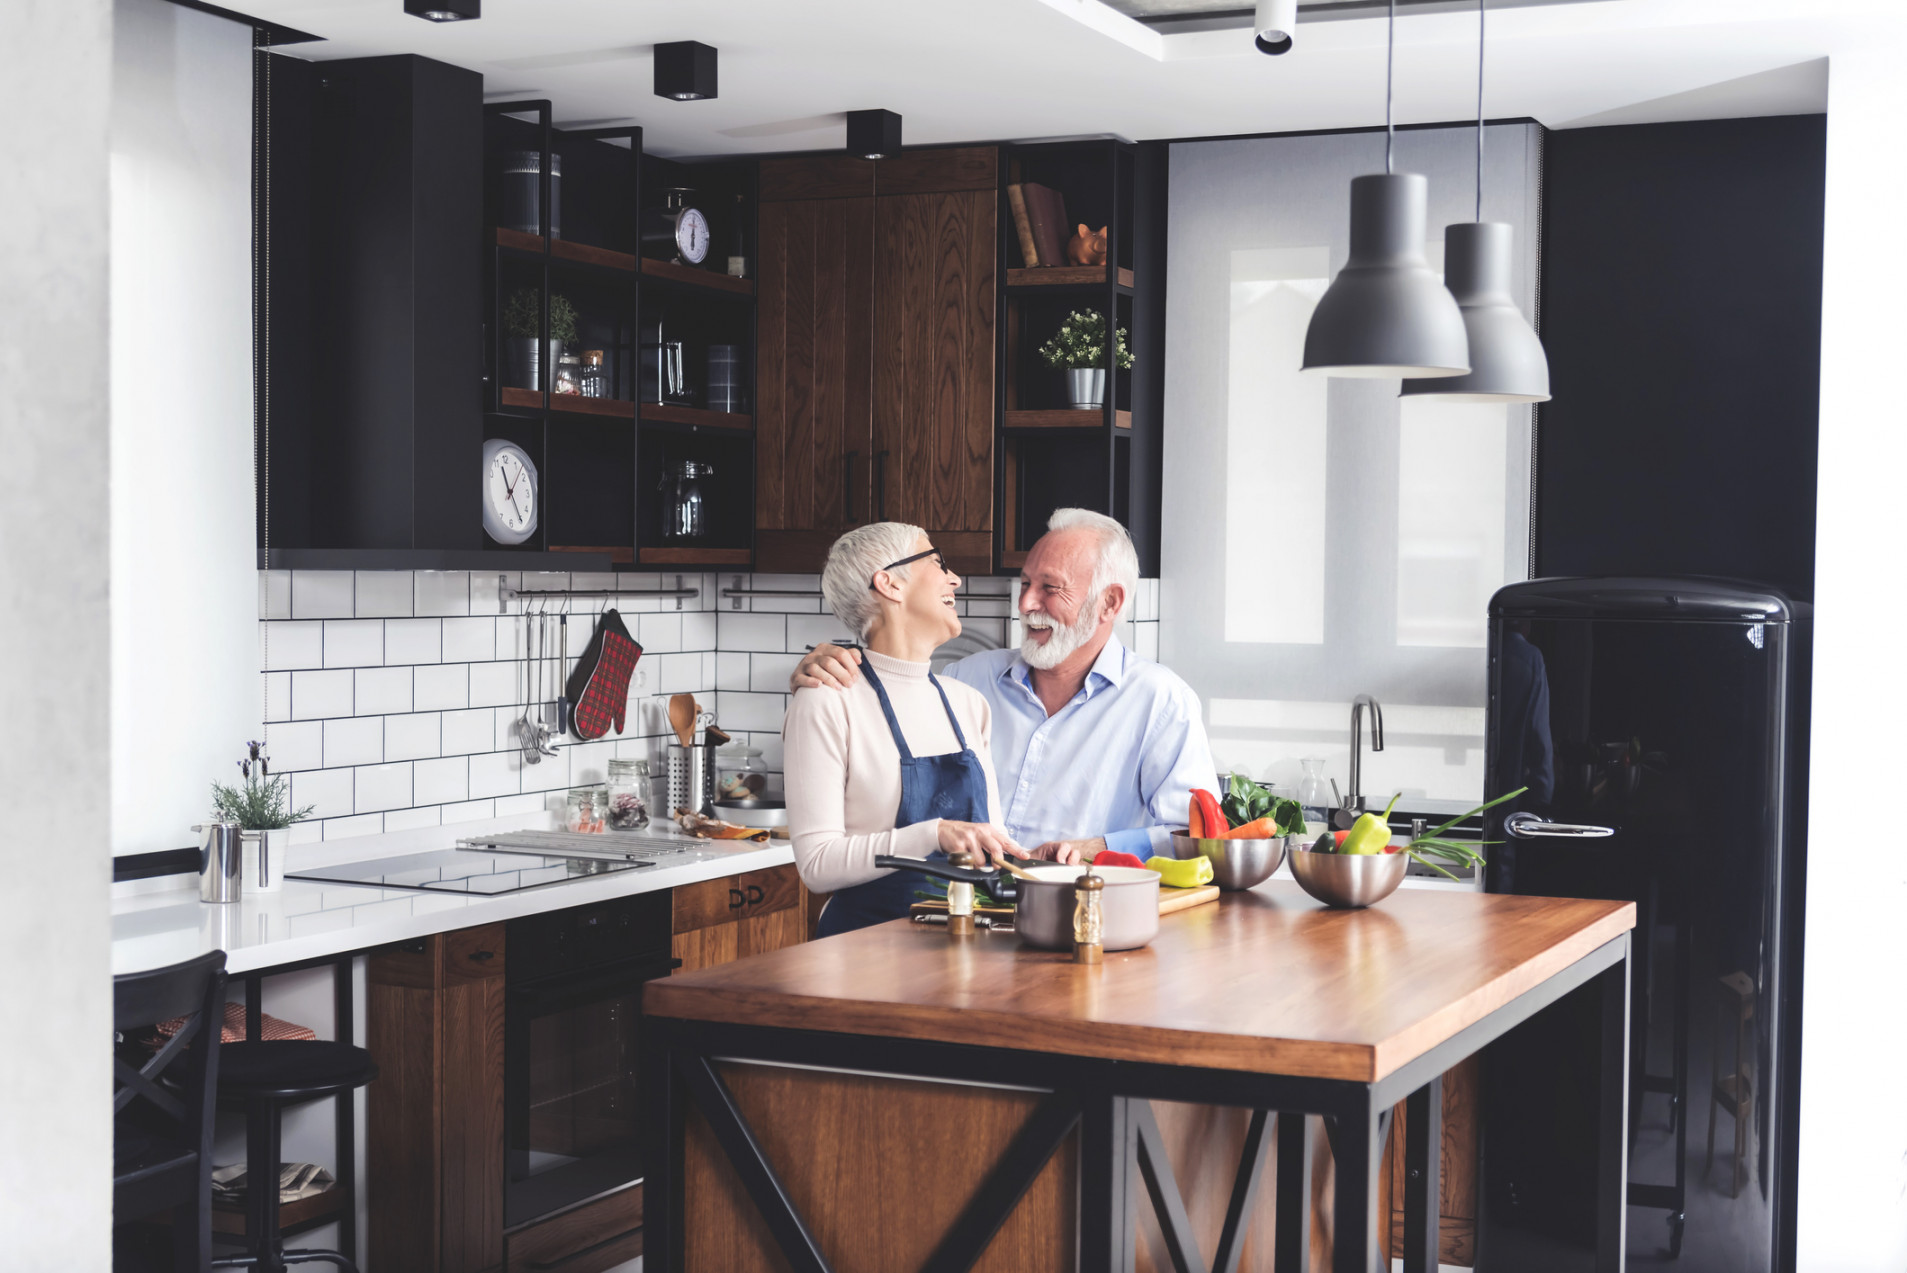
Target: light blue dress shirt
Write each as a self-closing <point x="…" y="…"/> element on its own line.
<point x="1120" y="760"/>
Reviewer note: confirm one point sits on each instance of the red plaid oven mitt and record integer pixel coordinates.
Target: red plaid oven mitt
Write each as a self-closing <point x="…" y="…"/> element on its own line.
<point x="599" y="687"/>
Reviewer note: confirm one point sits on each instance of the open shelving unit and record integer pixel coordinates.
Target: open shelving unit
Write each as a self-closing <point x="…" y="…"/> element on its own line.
<point x="603" y="461"/>
<point x="1050" y="453"/>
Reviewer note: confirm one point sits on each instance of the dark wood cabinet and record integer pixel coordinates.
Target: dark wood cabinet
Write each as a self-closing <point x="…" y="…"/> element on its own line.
<point x="719" y="920"/>
<point x="877" y="352"/>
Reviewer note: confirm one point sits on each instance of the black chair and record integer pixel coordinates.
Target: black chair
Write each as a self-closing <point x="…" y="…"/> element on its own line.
<point x="264" y="1078"/>
<point x="164" y="1103"/>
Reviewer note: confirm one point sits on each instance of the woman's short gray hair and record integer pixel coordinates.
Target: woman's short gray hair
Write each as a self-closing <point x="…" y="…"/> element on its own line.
<point x="1117" y="561"/>
<point x="852" y="563"/>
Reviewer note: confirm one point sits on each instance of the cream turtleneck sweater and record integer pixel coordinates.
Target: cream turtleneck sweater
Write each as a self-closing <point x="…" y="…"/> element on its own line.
<point x="842" y="770"/>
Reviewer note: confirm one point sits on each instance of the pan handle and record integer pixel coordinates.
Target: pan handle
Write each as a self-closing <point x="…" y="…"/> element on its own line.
<point x="939" y="870"/>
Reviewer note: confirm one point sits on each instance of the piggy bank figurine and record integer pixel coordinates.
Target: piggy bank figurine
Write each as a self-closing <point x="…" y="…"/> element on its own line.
<point x="1087" y="247"/>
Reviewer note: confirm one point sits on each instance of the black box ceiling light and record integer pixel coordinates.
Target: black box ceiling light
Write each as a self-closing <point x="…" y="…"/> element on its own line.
<point x="873" y="134"/>
<point x="685" y="71"/>
<point x="445" y="10"/>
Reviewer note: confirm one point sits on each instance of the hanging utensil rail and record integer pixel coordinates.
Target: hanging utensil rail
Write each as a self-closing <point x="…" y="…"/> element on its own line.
<point x="506" y="593"/>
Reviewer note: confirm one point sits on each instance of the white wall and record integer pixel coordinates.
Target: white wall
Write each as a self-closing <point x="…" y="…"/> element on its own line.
<point x="184" y="565"/>
<point x="55" y="1127"/>
<point x="1853" y="1185"/>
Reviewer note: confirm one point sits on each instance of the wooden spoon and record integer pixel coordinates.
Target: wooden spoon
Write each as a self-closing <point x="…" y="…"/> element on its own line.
<point x="682" y="717"/>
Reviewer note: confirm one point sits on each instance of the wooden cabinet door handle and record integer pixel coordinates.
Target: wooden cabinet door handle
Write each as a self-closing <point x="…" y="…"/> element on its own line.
<point x="755" y="895"/>
<point x="735" y="899"/>
<point x="880" y="486"/>
<point x="483" y="956"/>
<point x="847" y="487"/>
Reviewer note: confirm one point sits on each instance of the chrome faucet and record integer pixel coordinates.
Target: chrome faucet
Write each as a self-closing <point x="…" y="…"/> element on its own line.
<point x="1358" y="704"/>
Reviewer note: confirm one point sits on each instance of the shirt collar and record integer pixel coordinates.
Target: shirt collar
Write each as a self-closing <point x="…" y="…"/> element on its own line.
<point x="1109" y="667"/>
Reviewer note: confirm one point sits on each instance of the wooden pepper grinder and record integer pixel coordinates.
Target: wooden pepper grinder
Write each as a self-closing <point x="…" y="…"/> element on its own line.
<point x="1089" y="925"/>
<point x="960" y="899"/>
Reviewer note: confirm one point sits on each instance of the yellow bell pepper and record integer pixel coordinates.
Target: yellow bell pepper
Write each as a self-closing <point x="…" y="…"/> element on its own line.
<point x="1182" y="872"/>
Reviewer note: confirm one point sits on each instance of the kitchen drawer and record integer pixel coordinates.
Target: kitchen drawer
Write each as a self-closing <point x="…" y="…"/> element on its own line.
<point x="595" y="1236"/>
<point x="741" y="896"/>
<point x="473" y="954"/>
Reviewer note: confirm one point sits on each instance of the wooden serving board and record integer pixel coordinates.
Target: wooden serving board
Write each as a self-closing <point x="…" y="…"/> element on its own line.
<point x="1170" y="899"/>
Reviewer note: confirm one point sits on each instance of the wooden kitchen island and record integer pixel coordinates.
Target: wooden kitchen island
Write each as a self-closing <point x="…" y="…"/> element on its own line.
<point x="897" y="1099"/>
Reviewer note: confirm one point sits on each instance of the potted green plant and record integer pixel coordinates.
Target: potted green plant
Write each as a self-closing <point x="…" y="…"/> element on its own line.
<point x="522" y="317"/>
<point x="1079" y="349"/>
<point x="261" y="807"/>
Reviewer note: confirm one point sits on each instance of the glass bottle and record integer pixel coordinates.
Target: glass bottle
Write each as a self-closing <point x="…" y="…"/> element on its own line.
<point x="1314" y="795"/>
<point x="595" y="376"/>
<point x="686" y="518"/>
<point x="741" y="773"/>
<point x="628" y="793"/>
<point x="738" y="241"/>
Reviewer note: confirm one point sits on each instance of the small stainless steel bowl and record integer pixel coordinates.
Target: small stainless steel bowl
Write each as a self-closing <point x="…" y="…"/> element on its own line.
<point x="1349" y="880"/>
<point x="1236" y="864"/>
<point x="753" y="813"/>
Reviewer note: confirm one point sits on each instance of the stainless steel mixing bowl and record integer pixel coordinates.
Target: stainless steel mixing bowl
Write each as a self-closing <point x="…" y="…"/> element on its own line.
<point x="1236" y="864"/>
<point x="1349" y="880"/>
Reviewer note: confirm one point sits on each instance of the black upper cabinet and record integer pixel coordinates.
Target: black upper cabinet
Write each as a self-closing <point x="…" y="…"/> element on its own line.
<point x="370" y="218"/>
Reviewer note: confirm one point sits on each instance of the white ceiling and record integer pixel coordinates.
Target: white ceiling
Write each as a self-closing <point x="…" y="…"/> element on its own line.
<point x="965" y="70"/>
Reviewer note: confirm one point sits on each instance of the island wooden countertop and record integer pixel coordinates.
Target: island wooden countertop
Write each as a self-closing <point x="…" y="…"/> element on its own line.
<point x="1267" y="982"/>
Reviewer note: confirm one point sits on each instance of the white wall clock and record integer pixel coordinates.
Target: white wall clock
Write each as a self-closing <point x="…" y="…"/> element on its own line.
<point x="509" y="492"/>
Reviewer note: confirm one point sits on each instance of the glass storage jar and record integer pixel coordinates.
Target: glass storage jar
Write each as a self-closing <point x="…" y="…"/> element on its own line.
<point x="587" y="806"/>
<point x="569" y="376"/>
<point x="741" y="773"/>
<point x="628" y="794"/>
<point x="595" y="376"/>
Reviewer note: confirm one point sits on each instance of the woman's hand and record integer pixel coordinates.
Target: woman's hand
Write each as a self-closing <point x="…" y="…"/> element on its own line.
<point x="987" y="843"/>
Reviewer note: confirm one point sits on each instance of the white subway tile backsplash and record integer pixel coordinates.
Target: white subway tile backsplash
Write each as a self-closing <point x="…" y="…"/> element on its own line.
<point x="441" y="781"/>
<point x="411" y="819"/>
<point x="806" y="630"/>
<point x="441" y="687"/>
<point x="274" y="594"/>
<point x="440" y="592"/>
<point x="498" y="773"/>
<point x="315" y="695"/>
<point x="769" y="673"/>
<point x="678" y="673"/>
<point x="659" y="633"/>
<point x="1146" y="640"/>
<point x="550" y="774"/>
<point x="470" y="640"/>
<point x="291" y="645"/>
<point x="354" y="643"/>
<point x="383" y="594"/>
<point x="381" y="787"/>
<point x="747" y="631"/>
<point x="589" y="763"/>
<point x="484" y="598"/>
<point x="413" y="737"/>
<point x="348" y="828"/>
<point x="468" y="811"/>
<point x="277" y="696"/>
<point x="990" y="585"/>
<point x="321" y="594"/>
<point x="294" y="746"/>
<point x="383" y="690"/>
<point x="992" y="607"/>
<point x="751" y="711"/>
<point x="699" y="630"/>
<point x="994" y="630"/>
<point x="328" y="791"/>
<point x="470" y="731"/>
<point x="355" y="740"/>
<point x="413" y="641"/>
<point x="495" y="684"/>
<point x="508" y="805"/>
<point x="731" y="671"/>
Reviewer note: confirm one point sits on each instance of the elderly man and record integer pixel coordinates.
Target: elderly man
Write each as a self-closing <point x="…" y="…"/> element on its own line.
<point x="1094" y="746"/>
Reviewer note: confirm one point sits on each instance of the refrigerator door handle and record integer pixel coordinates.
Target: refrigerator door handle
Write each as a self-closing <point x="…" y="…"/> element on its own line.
<point x="1527" y="826"/>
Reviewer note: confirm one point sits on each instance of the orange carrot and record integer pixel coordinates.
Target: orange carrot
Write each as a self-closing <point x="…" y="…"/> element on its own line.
<point x="1194" y="823"/>
<point x="1257" y="829"/>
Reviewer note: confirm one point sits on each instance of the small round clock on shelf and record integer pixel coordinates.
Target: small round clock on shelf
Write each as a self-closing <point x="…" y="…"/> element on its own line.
<point x="679" y="224"/>
<point x="509" y="492"/>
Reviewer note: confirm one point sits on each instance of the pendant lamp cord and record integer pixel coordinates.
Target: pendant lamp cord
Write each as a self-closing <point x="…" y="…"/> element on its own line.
<point x="1481" y="6"/>
<point x="1390" y="75"/>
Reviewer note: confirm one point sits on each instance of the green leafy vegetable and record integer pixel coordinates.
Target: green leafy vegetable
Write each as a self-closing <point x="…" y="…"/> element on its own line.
<point x="1247" y="801"/>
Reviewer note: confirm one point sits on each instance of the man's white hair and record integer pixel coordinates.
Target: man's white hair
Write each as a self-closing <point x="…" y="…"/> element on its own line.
<point x="1117" y="561"/>
<point x="852" y="562"/>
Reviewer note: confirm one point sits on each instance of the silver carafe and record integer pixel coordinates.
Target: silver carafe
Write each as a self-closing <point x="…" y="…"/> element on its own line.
<point x="221" y="857"/>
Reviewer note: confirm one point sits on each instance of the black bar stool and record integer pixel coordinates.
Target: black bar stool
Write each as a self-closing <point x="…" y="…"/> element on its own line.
<point x="264" y="1078"/>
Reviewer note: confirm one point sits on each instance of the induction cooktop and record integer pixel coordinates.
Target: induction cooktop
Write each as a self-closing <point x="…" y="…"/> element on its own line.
<point x="467" y="871"/>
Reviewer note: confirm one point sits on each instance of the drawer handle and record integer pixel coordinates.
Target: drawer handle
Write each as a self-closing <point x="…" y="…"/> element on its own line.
<point x="735" y="899"/>
<point x="755" y="894"/>
<point x="483" y="956"/>
<point x="604" y="1245"/>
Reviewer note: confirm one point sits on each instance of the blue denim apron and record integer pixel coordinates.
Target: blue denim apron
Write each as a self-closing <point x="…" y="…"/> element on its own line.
<point x="950" y="786"/>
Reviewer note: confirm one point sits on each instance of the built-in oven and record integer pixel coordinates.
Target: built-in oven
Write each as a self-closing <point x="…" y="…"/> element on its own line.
<point x="572" y="1033"/>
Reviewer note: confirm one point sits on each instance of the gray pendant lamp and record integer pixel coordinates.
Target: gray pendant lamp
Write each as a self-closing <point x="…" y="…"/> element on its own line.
<point x="1507" y="362"/>
<point x="1386" y="315"/>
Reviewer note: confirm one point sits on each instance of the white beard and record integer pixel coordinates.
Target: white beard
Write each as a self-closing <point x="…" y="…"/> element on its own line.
<point x="1066" y="638"/>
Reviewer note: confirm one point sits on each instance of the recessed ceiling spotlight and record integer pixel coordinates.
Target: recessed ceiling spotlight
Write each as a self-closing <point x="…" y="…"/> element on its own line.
<point x="444" y="10"/>
<point x="685" y="71"/>
<point x="873" y="134"/>
<point x="1273" y="25"/>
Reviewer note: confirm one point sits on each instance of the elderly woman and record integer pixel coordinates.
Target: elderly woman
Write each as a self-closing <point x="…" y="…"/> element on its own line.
<point x="900" y="763"/>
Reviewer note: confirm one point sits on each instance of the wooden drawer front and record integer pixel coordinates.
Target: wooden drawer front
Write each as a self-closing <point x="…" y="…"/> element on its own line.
<point x="473" y="954"/>
<point x="737" y="897"/>
<point x="601" y="1235"/>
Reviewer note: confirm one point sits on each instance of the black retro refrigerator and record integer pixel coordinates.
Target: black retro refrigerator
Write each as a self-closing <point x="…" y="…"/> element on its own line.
<point x="1651" y="721"/>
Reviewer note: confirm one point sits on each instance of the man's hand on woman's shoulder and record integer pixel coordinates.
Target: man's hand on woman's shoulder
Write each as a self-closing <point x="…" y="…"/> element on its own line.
<point x="826" y="667"/>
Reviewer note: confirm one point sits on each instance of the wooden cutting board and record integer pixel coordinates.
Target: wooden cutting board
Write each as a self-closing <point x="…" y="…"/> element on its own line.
<point x="1170" y="899"/>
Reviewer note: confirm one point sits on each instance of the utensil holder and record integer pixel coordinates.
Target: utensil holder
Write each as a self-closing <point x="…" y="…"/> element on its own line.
<point x="691" y="777"/>
<point x="221" y="860"/>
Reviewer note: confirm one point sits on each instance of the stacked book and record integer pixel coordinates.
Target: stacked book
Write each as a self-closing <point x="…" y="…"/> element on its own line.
<point x="1039" y="214"/>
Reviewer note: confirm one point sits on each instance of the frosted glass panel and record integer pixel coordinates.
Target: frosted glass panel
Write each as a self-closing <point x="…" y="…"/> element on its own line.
<point x="1275" y="444"/>
<point x="1322" y="538"/>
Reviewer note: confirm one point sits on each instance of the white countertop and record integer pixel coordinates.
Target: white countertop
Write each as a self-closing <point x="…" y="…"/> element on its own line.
<point x="163" y="922"/>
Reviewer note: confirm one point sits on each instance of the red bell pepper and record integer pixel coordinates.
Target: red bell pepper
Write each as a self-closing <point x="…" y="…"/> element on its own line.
<point x="1113" y="857"/>
<point x="1208" y="819"/>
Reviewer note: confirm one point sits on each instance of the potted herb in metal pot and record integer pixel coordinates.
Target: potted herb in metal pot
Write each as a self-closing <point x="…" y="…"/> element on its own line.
<point x="1079" y="349"/>
<point x="262" y="809"/>
<point x="522" y="316"/>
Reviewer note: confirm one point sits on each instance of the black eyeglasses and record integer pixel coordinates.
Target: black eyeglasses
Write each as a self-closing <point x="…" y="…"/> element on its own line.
<point x="907" y="561"/>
